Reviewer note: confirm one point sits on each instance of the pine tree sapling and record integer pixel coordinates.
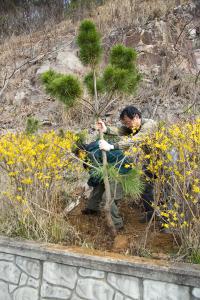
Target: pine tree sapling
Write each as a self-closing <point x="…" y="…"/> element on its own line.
<point x="103" y="86"/>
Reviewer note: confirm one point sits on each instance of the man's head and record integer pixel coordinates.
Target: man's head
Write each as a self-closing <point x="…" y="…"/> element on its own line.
<point x="131" y="117"/>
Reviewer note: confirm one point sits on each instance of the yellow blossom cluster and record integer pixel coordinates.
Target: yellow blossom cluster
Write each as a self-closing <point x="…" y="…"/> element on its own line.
<point x="36" y="177"/>
<point x="35" y="165"/>
<point x="172" y="156"/>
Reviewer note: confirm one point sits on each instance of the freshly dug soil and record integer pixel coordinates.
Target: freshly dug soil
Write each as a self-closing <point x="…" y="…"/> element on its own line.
<point x="129" y="240"/>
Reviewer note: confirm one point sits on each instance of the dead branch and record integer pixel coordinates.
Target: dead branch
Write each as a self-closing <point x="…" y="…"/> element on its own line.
<point x="183" y="29"/>
<point x="195" y="98"/>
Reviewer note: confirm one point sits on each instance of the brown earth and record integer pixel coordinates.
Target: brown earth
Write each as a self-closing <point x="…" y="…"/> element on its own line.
<point x="129" y="240"/>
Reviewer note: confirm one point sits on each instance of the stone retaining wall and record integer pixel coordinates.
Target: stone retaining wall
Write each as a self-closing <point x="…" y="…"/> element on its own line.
<point x="32" y="271"/>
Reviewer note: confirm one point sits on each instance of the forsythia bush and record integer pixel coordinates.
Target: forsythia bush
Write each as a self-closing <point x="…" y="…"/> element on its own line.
<point x="172" y="155"/>
<point x="33" y="168"/>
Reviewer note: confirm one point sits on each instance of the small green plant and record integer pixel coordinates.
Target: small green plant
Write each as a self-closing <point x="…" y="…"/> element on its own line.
<point x="195" y="257"/>
<point x="32" y="126"/>
<point x="82" y="136"/>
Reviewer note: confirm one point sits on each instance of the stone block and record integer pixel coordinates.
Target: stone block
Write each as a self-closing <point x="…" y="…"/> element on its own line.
<point x="91" y="289"/>
<point x="58" y="274"/>
<point x="68" y="62"/>
<point x="33" y="282"/>
<point x="4" y="294"/>
<point x="75" y="297"/>
<point x="118" y="296"/>
<point x="25" y="293"/>
<point x="91" y="273"/>
<point x="197" y="58"/>
<point x="148" y="38"/>
<point x="23" y="279"/>
<point x="12" y="287"/>
<point x="133" y="39"/>
<point x="150" y="59"/>
<point x="196" y="293"/>
<point x="43" y="69"/>
<point x="9" y="272"/>
<point x="164" y="291"/>
<point x="127" y="285"/>
<point x="29" y="266"/>
<point x="7" y="257"/>
<point x="49" y="291"/>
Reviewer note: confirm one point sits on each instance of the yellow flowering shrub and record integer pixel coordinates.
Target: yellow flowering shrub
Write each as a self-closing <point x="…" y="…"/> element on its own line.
<point x="33" y="167"/>
<point x="172" y="154"/>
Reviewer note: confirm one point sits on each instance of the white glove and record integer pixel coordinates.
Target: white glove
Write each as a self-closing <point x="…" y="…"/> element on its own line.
<point x="103" y="145"/>
<point x="101" y="126"/>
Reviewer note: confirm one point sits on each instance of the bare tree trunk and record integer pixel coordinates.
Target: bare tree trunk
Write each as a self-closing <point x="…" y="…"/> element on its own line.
<point x="96" y="104"/>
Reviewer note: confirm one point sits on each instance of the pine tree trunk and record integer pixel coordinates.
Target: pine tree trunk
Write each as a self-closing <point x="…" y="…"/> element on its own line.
<point x="109" y="200"/>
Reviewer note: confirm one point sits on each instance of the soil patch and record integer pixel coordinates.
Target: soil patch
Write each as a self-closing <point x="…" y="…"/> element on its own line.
<point x="129" y="240"/>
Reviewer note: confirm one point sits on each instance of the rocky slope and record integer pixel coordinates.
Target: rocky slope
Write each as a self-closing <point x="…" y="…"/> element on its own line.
<point x="168" y="49"/>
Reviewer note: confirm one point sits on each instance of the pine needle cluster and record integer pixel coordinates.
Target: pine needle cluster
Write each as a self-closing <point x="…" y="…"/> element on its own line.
<point x="66" y="88"/>
<point x="121" y="74"/>
<point x="88" y="41"/>
<point x="130" y="182"/>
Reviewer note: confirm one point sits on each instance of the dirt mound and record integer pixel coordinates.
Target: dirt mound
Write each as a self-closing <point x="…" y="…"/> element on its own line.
<point x="129" y="240"/>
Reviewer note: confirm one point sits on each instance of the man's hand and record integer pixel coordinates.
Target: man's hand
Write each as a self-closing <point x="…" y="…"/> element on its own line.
<point x="103" y="145"/>
<point x="100" y="125"/>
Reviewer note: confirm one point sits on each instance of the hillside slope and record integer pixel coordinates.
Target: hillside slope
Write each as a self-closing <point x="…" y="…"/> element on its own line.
<point x="166" y="37"/>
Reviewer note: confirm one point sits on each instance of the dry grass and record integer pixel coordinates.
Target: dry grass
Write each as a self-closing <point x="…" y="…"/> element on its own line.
<point x="131" y="12"/>
<point x="50" y="225"/>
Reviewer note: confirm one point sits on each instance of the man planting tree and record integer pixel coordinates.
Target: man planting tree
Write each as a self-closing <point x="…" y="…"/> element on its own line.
<point x="105" y="87"/>
<point x="134" y="128"/>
